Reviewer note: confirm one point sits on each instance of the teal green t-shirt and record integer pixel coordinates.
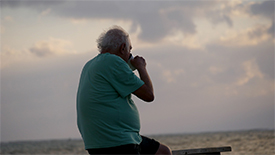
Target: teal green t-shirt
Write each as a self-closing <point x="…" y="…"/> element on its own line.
<point x="106" y="114"/>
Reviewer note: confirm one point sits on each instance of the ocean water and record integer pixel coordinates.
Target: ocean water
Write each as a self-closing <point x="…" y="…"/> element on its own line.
<point x="252" y="142"/>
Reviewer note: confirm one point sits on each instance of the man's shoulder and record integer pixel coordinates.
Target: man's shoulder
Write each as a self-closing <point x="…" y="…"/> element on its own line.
<point x="111" y="59"/>
<point x="105" y="62"/>
<point x="111" y="56"/>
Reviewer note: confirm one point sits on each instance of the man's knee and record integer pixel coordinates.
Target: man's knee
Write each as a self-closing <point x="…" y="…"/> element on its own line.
<point x="163" y="149"/>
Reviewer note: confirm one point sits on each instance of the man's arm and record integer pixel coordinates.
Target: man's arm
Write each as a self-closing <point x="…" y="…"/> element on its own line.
<point x="146" y="91"/>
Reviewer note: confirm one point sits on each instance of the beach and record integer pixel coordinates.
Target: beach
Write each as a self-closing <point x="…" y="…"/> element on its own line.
<point x="248" y="142"/>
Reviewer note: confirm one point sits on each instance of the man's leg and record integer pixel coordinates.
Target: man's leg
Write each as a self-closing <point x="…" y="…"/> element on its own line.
<point x="151" y="146"/>
<point x="163" y="149"/>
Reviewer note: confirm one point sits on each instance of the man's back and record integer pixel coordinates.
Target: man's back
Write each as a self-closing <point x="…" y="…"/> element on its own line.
<point x="107" y="116"/>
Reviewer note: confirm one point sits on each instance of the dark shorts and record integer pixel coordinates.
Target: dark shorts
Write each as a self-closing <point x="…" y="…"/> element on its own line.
<point x="147" y="146"/>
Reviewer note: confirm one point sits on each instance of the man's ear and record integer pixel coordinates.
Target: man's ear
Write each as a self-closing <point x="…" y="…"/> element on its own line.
<point x="122" y="48"/>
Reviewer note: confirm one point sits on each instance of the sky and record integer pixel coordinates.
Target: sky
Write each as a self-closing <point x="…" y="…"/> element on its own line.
<point x="211" y="63"/>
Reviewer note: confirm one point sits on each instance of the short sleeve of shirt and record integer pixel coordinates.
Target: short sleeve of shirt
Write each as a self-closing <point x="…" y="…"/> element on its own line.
<point x="122" y="77"/>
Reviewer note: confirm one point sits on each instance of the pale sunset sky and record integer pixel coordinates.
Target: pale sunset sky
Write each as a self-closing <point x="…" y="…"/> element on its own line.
<point x="211" y="63"/>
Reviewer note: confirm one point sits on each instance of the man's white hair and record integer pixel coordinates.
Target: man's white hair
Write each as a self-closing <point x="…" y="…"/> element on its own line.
<point x="112" y="39"/>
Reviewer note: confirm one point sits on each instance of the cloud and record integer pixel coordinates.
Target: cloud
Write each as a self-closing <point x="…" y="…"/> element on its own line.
<point x="171" y="76"/>
<point x="227" y="68"/>
<point x="8" y="19"/>
<point x="264" y="9"/>
<point x="50" y="47"/>
<point x="215" y="69"/>
<point x="251" y="71"/>
<point x="11" y="56"/>
<point x="29" y="3"/>
<point x="46" y="12"/>
<point x="155" y="19"/>
<point x="247" y="37"/>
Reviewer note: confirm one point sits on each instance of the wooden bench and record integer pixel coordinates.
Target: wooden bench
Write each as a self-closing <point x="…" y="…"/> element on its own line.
<point x="203" y="151"/>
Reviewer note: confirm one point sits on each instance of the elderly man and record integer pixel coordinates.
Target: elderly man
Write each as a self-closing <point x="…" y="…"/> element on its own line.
<point x="107" y="117"/>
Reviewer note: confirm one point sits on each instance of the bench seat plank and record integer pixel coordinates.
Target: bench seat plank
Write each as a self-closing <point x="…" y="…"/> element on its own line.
<point x="203" y="151"/>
